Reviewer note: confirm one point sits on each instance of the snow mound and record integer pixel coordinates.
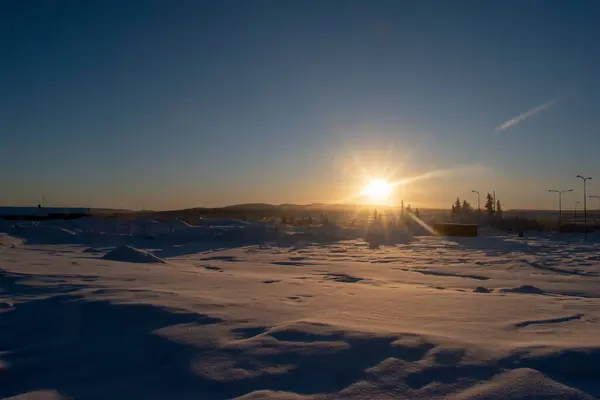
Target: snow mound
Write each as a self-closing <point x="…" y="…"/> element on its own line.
<point x="130" y="254"/>
<point x="9" y="241"/>
<point x="522" y="383"/>
<point x="525" y="289"/>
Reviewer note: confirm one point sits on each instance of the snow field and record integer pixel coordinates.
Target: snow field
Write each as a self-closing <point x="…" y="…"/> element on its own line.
<point x="230" y="313"/>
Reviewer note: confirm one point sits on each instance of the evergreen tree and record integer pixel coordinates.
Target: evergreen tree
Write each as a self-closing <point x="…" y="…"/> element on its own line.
<point x="417" y="214"/>
<point x="401" y="207"/>
<point x="466" y="207"/>
<point x="283" y="220"/>
<point x="457" y="207"/>
<point x="489" y="204"/>
<point x="498" y="208"/>
<point x="409" y="209"/>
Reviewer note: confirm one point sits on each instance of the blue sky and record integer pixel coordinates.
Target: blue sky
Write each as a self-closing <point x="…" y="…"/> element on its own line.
<point x="183" y="103"/>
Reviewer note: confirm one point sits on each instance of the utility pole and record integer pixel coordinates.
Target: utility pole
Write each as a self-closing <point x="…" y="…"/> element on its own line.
<point x="584" y="200"/>
<point x="478" y="200"/>
<point x="560" y="193"/>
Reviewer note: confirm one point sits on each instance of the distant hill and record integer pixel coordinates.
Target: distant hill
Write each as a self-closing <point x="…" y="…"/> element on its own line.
<point x="253" y="211"/>
<point x="250" y="206"/>
<point x="109" y="210"/>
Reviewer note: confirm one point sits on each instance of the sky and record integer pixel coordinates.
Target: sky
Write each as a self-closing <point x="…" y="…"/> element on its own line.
<point x="148" y="104"/>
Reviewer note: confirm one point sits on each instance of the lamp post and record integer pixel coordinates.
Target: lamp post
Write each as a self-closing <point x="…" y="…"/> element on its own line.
<point x="560" y="193"/>
<point x="478" y="200"/>
<point x="596" y="197"/>
<point x="584" y="179"/>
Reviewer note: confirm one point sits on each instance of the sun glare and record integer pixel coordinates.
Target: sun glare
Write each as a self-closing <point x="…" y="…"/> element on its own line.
<point x="378" y="191"/>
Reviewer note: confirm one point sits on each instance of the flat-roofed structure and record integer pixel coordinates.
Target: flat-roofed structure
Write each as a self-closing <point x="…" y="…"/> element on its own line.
<point x="42" y="213"/>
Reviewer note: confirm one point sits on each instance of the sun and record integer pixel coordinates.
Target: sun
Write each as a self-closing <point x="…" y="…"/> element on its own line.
<point x="377" y="190"/>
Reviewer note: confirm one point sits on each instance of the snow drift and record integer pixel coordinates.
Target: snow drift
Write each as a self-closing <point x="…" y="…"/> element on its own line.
<point x="9" y="241"/>
<point x="132" y="255"/>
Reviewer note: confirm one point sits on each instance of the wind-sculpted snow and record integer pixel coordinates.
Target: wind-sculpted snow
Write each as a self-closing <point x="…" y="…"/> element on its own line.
<point x="130" y="254"/>
<point x="9" y="241"/>
<point x="325" y="317"/>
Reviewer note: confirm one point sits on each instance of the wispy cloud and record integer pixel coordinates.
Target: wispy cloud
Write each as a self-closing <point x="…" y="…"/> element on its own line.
<point x="537" y="109"/>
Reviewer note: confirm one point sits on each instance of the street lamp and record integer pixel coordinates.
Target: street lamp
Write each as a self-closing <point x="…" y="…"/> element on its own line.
<point x="596" y="197"/>
<point x="478" y="200"/>
<point x="560" y="193"/>
<point x="584" y="200"/>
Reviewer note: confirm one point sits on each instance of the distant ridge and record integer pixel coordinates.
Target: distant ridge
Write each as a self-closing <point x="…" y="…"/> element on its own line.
<point x="264" y="209"/>
<point x="253" y="206"/>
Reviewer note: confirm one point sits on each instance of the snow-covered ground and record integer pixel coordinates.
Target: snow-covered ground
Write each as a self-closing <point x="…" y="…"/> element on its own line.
<point x="101" y="312"/>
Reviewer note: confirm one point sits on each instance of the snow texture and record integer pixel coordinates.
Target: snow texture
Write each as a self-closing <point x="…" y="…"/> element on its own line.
<point x="90" y="310"/>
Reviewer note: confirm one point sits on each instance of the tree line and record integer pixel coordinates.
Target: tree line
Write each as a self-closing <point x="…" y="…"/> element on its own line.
<point x="491" y="208"/>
